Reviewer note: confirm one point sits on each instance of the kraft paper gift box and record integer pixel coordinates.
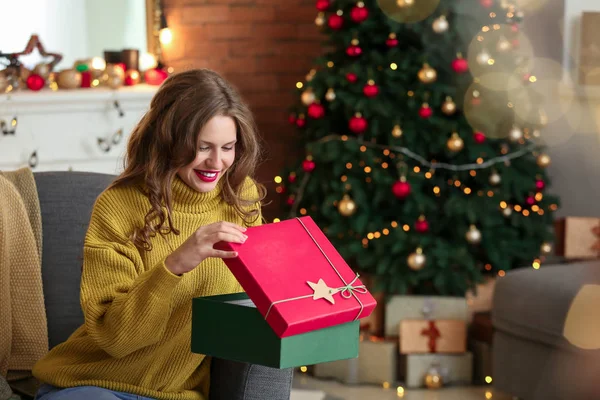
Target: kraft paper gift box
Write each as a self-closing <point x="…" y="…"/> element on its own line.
<point x="439" y="336"/>
<point x="455" y="369"/>
<point x="303" y="302"/>
<point x="399" y="308"/>
<point x="575" y="237"/>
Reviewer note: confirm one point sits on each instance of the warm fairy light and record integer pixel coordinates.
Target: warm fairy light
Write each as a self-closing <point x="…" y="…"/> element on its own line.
<point x="457" y="183"/>
<point x="363" y="148"/>
<point x="400" y="391"/>
<point x="479" y="160"/>
<point x="362" y="163"/>
<point x="518" y="208"/>
<point x="488" y="267"/>
<point x="510" y="104"/>
<point x="467" y="190"/>
<point x="95" y="82"/>
<point x="330" y="64"/>
<point x="277" y="179"/>
<point x="377" y="235"/>
<point x="490" y="193"/>
<point x="553" y="207"/>
<point x="386" y="385"/>
<point x="480" y="38"/>
<point x="303" y="369"/>
<point x="532" y="79"/>
<point x="492" y="15"/>
<point x="365" y="242"/>
<point x="349" y="165"/>
<point x="279" y="189"/>
<point x="491" y="61"/>
<point x="386" y="231"/>
<point x="405" y="228"/>
<point x="541" y="212"/>
<point x="384" y="165"/>
<point x="344" y="178"/>
<point x="501" y="273"/>
<point x="536" y="264"/>
<point x="473" y="172"/>
<point x="303" y="211"/>
<point x="417" y="169"/>
<point x="436" y="189"/>
<point x="299" y="85"/>
<point x="503" y="204"/>
<point x="480" y="193"/>
<point x="276" y="220"/>
<point x="344" y="138"/>
<point x="370" y="236"/>
<point x="526" y="213"/>
<point x="485" y="29"/>
<point x="539" y="196"/>
<point x="428" y="175"/>
<point x="504" y="150"/>
<point x="368" y="179"/>
<point x="411" y="93"/>
<point x="386" y="152"/>
<point x="367" y="170"/>
<point x="394" y="224"/>
<point x="510" y="14"/>
<point x="394" y="66"/>
<point x="488" y="395"/>
<point x="496" y="27"/>
<point x="488" y="379"/>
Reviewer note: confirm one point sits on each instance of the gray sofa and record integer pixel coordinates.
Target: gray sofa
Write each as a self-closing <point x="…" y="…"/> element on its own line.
<point x="532" y="360"/>
<point x="66" y="200"/>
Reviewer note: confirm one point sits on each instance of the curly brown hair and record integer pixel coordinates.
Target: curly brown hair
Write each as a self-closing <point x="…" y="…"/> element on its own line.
<point x="165" y="140"/>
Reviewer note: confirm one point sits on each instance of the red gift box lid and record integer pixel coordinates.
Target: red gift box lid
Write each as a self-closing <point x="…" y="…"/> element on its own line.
<point x="296" y="278"/>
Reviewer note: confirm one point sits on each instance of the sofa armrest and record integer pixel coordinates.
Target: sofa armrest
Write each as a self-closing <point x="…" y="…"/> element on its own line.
<point x="231" y="380"/>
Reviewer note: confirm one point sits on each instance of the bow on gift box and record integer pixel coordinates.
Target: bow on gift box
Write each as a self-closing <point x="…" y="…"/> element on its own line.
<point x="433" y="333"/>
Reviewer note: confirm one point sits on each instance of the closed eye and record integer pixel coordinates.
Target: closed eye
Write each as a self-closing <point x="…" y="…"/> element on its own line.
<point x="228" y="148"/>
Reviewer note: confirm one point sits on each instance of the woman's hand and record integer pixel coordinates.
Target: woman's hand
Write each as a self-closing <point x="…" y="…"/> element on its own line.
<point x="199" y="246"/>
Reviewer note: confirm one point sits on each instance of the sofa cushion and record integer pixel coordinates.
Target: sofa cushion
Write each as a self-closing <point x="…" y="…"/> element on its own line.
<point x="533" y="304"/>
<point x="66" y="201"/>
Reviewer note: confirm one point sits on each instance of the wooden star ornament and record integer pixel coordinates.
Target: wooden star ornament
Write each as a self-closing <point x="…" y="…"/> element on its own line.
<point x="322" y="291"/>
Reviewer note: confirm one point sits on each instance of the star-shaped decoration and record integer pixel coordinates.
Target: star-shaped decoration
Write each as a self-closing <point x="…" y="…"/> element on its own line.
<point x="322" y="291"/>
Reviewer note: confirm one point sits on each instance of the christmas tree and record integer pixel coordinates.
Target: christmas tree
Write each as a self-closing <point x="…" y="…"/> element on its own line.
<point x="424" y="164"/>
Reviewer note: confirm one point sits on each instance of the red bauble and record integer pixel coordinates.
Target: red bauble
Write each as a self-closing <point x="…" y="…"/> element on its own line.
<point x="323" y="5"/>
<point x="292" y="178"/>
<point x="316" y="111"/>
<point x="530" y="200"/>
<point x="357" y="124"/>
<point x="479" y="137"/>
<point x="359" y="14"/>
<point x="425" y="111"/>
<point x="335" y="22"/>
<point x="514" y="28"/>
<point x="353" y="50"/>
<point x="351" y="77"/>
<point x="308" y="165"/>
<point x="422" y="225"/>
<point x="35" y="82"/>
<point x="290" y="201"/>
<point x="486" y="3"/>
<point x="155" y="76"/>
<point x="391" y="42"/>
<point x="460" y="65"/>
<point x="292" y="119"/>
<point x="371" y="90"/>
<point x="540" y="184"/>
<point x="401" y="189"/>
<point x="300" y="122"/>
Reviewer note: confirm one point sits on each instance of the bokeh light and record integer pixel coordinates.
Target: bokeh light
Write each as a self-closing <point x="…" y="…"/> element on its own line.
<point x="407" y="11"/>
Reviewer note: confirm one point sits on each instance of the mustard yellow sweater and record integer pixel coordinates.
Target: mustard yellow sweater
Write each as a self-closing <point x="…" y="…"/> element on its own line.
<point x="137" y="329"/>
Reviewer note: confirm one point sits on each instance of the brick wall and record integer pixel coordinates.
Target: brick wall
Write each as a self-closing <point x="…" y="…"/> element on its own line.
<point x="263" y="47"/>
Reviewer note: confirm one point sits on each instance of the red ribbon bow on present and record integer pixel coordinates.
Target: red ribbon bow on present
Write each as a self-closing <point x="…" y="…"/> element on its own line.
<point x="433" y="333"/>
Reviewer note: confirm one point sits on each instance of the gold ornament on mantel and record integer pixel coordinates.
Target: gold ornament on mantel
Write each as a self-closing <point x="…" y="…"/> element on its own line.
<point x="449" y="106"/>
<point x="433" y="378"/>
<point x="346" y="206"/>
<point x="473" y="235"/>
<point x="397" y="131"/>
<point x="308" y="97"/>
<point x="543" y="160"/>
<point x="455" y="143"/>
<point x="416" y="260"/>
<point x="68" y="79"/>
<point x="427" y="74"/>
<point x="42" y="69"/>
<point x="330" y="95"/>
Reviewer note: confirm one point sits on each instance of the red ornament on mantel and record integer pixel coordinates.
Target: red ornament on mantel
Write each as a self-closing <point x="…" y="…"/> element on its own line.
<point x="479" y="137"/>
<point x="335" y="22"/>
<point x="316" y="111"/>
<point x="308" y="165"/>
<point x="425" y="111"/>
<point x="35" y="82"/>
<point x="422" y="225"/>
<point x="460" y="65"/>
<point x="401" y="189"/>
<point x="155" y="76"/>
<point x="359" y="12"/>
<point x="351" y="77"/>
<point x="357" y="124"/>
<point x="323" y="5"/>
<point x="540" y="184"/>
<point x="371" y="89"/>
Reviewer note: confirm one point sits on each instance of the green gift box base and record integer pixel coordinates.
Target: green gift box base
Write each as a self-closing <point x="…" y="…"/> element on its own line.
<point x="240" y="333"/>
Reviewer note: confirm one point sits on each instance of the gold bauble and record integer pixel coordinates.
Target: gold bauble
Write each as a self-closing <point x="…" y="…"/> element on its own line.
<point x="495" y="178"/>
<point x="473" y="235"/>
<point x="330" y="95"/>
<point x="114" y="81"/>
<point x="320" y="19"/>
<point x="113" y="69"/>
<point x="24" y="73"/>
<point x="42" y="69"/>
<point x="507" y="212"/>
<point x="515" y="134"/>
<point x="449" y="106"/>
<point x="405" y="3"/>
<point x="346" y="206"/>
<point x="440" y="25"/>
<point x="503" y="45"/>
<point x="543" y="160"/>
<point x="68" y="79"/>
<point x="397" y="131"/>
<point x="455" y="143"/>
<point x="416" y="260"/>
<point x="427" y="74"/>
<point x="546" y="248"/>
<point x="483" y="58"/>
<point x="433" y="379"/>
<point x="308" y="97"/>
<point x="311" y="74"/>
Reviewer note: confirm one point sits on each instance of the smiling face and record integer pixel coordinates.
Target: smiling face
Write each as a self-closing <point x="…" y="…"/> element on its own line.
<point x="215" y="154"/>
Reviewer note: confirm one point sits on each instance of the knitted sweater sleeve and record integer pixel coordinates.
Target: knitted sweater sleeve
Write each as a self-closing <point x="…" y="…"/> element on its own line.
<point x="125" y="305"/>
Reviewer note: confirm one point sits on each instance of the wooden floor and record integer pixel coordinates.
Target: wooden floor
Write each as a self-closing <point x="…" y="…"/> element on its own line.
<point x="309" y="388"/>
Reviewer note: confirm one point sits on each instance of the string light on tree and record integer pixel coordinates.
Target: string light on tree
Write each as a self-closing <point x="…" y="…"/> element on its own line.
<point x="416" y="260"/>
<point x="440" y="25"/>
<point x="427" y="74"/>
